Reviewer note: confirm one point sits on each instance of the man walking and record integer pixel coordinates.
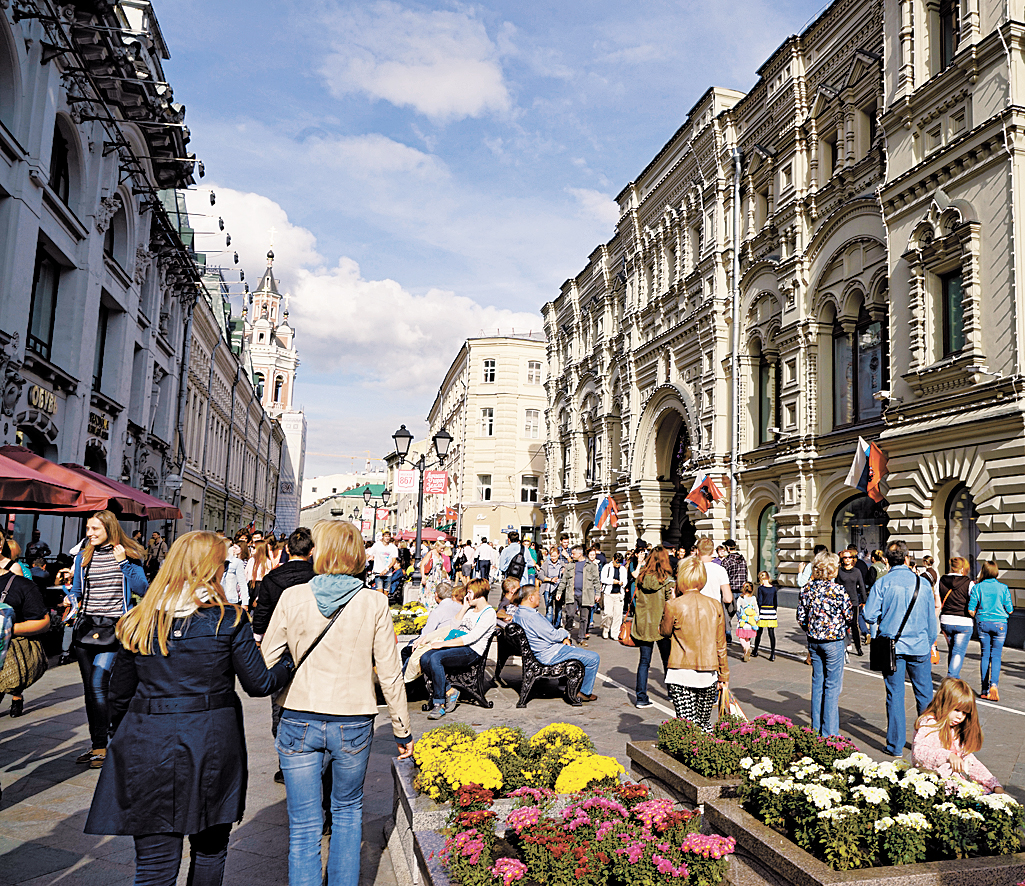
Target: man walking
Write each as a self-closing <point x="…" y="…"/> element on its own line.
<point x="516" y="559"/>
<point x="901" y="597"/>
<point x="550" y="571"/>
<point x="578" y="588"/>
<point x="613" y="583"/>
<point x="156" y="550"/>
<point x="486" y="555"/>
<point x="386" y="562"/>
<point x="736" y="568"/>
<point x="550" y="644"/>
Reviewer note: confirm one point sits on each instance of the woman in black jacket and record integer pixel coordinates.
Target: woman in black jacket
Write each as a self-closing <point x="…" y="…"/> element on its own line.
<point x="177" y="762"/>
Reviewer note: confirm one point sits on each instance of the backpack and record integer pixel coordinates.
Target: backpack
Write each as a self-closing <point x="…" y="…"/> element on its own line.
<point x="6" y="624"/>
<point x="517" y="565"/>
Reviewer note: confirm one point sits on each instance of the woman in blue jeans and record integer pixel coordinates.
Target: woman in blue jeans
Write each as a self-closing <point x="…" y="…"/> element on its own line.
<point x="955" y="621"/>
<point x="824" y="611"/>
<point x="990" y="604"/>
<point x="328" y="710"/>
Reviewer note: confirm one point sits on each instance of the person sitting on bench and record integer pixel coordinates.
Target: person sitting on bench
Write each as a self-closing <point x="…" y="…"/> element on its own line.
<point x="551" y="645"/>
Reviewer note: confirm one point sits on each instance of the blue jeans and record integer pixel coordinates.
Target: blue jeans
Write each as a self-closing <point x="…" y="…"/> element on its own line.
<point x="957" y="638"/>
<point x="433" y="664"/>
<point x="158" y="857"/>
<point x="644" y="664"/>
<point x="587" y="658"/>
<point x="826" y="683"/>
<point x="306" y="747"/>
<point x="991" y="635"/>
<point x="919" y="670"/>
<point x="95" y="668"/>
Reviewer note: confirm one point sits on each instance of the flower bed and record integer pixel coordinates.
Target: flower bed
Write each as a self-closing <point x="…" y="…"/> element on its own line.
<point x="857" y="813"/>
<point x="604" y="837"/>
<point x="408" y="620"/>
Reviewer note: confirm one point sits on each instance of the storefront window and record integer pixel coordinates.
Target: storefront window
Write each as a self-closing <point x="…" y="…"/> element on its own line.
<point x="962" y="528"/>
<point x="767" y="538"/>
<point x="861" y="522"/>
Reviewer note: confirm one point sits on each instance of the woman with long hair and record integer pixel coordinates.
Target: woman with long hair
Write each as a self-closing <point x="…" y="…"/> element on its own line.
<point x="329" y="708"/>
<point x="955" y="588"/>
<point x="990" y="605"/>
<point x="257" y="566"/>
<point x="26" y="660"/>
<point x="177" y="762"/>
<point x="655" y="586"/>
<point x="107" y="572"/>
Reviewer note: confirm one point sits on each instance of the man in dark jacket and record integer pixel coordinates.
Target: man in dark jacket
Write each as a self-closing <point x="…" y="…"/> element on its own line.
<point x="297" y="570"/>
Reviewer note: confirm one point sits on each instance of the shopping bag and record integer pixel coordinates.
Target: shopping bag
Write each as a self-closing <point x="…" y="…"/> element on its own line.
<point x="934" y="656"/>
<point x="625" y="638"/>
<point x="729" y="706"/>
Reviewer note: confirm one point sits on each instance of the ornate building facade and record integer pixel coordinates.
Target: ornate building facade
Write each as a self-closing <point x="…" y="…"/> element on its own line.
<point x="804" y="265"/>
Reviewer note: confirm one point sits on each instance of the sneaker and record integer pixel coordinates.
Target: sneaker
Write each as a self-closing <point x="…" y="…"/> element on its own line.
<point x="437" y="713"/>
<point x="754" y="653"/>
<point x="451" y="700"/>
<point x="96" y="761"/>
<point x="86" y="757"/>
<point x="279" y="777"/>
<point x="644" y="704"/>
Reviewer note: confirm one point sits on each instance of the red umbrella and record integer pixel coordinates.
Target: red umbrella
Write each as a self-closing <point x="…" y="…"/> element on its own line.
<point x="95" y="496"/>
<point x="426" y="534"/>
<point x="153" y="508"/>
<point x="22" y="488"/>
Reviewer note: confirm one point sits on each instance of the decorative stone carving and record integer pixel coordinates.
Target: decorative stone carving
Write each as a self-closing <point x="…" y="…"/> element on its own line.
<point x="11" y="380"/>
<point x="106" y="211"/>
<point x="143" y="261"/>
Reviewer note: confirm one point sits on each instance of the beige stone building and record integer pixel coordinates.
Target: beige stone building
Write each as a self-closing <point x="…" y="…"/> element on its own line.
<point x="833" y="255"/>
<point x="492" y="402"/>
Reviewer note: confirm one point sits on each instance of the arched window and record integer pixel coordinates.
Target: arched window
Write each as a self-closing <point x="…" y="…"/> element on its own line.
<point x="279" y="383"/>
<point x="768" y="558"/>
<point x="862" y="522"/>
<point x="259" y="384"/>
<point x="115" y="241"/>
<point x="962" y="536"/>
<point x="60" y="165"/>
<point x="860" y="369"/>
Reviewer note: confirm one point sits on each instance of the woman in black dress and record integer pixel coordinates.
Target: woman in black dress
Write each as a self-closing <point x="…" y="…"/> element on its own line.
<point x="177" y="764"/>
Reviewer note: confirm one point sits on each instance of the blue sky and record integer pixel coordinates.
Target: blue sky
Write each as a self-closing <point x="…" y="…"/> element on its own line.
<point x="433" y="171"/>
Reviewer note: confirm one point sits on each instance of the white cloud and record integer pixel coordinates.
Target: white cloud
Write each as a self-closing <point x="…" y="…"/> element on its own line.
<point x="442" y="64"/>
<point x="596" y="205"/>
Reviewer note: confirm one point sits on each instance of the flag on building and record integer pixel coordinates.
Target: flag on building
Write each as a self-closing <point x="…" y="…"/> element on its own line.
<point x="451" y="514"/>
<point x="704" y="493"/>
<point x="606" y="512"/>
<point x="867" y="469"/>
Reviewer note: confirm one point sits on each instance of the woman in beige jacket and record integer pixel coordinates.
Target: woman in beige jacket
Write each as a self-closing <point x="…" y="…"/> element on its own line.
<point x="697" y="658"/>
<point x="330" y="705"/>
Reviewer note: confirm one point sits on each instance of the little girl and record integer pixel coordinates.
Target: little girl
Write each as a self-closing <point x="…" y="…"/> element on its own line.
<point x="747" y="618"/>
<point x="948" y="734"/>
<point x="767" y="592"/>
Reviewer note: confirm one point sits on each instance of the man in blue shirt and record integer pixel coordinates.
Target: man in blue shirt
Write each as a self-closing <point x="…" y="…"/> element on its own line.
<point x="888" y="602"/>
<point x="550" y="644"/>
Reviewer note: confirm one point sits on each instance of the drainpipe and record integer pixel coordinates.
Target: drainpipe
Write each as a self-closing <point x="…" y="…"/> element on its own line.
<point x="206" y="432"/>
<point x="735" y="355"/>
<point x="227" y="454"/>
<point x="179" y="422"/>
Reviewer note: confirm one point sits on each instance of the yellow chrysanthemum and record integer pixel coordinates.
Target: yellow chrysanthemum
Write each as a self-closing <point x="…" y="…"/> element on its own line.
<point x="587" y="770"/>
<point x="560" y="734"/>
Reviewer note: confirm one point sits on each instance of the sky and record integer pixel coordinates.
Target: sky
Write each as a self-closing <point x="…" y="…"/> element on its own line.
<point x="428" y="172"/>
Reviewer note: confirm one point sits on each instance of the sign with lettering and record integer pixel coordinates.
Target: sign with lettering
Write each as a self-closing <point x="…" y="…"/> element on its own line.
<point x="286" y="487"/>
<point x="41" y="398"/>
<point x="435" y="482"/>
<point x="405" y="480"/>
<point x="99" y="426"/>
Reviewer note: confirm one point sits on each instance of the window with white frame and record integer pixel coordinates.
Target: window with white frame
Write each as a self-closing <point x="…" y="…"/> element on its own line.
<point x="489" y="371"/>
<point x="528" y="489"/>
<point x="534" y="372"/>
<point x="484" y="487"/>
<point x="532" y="425"/>
<point x="487" y="422"/>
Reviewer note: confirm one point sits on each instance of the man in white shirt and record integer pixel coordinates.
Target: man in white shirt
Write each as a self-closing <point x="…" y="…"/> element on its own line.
<point x="486" y="555"/>
<point x="717" y="583"/>
<point x="614" y="578"/>
<point x="386" y="560"/>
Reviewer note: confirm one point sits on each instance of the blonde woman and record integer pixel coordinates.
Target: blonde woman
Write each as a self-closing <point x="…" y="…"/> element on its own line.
<point x="328" y="710"/>
<point x="256" y="568"/>
<point x="177" y="761"/>
<point x="107" y="572"/>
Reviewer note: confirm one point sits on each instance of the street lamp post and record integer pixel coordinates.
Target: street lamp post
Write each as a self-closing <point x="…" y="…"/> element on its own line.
<point x="367" y="497"/>
<point x="403" y="438"/>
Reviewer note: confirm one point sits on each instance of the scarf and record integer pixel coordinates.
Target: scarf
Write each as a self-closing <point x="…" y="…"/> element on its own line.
<point x="332" y="591"/>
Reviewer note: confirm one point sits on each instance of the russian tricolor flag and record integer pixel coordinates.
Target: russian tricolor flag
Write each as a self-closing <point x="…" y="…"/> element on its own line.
<point x="867" y="469"/>
<point x="606" y="512"/>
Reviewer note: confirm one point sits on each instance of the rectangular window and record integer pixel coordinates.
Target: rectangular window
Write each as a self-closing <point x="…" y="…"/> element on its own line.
<point x="43" y="310"/>
<point x="484" y="487"/>
<point x="489" y="371"/>
<point x="843" y="378"/>
<point x="532" y="426"/>
<point x="528" y="489"/>
<point x="533" y="372"/>
<point x="871" y="369"/>
<point x="952" y="287"/>
<point x="101" y="346"/>
<point x="766" y="401"/>
<point x="950" y="31"/>
<point x="487" y="422"/>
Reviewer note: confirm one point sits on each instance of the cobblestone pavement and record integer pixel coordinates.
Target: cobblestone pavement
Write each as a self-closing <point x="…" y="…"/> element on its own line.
<point x="46" y="796"/>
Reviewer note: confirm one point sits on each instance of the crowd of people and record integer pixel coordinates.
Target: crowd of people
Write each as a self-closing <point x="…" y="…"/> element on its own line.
<point x="160" y="631"/>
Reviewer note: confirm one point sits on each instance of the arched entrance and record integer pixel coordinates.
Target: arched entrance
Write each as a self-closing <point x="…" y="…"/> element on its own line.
<point x="862" y="522"/>
<point x="672" y="453"/>
<point x="962" y="535"/>
<point x="768" y="559"/>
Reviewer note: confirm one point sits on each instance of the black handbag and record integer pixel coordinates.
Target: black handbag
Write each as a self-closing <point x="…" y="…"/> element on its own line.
<point x="882" y="653"/>
<point x="94" y="632"/>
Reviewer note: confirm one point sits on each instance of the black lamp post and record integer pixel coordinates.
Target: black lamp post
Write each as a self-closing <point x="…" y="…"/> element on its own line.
<point x="367" y="497"/>
<point x="403" y="438"/>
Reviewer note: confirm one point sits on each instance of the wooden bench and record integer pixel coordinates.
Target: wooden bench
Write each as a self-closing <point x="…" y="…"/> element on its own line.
<point x="571" y="669"/>
<point x="470" y="680"/>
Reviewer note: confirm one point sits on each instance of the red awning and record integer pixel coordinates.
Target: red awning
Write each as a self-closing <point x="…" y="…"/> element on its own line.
<point x="426" y="534"/>
<point x="22" y="488"/>
<point x="152" y="508"/>
<point x="94" y="496"/>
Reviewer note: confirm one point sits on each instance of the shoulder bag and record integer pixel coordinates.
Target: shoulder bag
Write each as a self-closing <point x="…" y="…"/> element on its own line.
<point x="882" y="655"/>
<point x="93" y="632"/>
<point x="24" y="660"/>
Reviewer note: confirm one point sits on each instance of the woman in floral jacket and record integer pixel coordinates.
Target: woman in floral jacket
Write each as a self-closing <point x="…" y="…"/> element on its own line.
<point x="823" y="612"/>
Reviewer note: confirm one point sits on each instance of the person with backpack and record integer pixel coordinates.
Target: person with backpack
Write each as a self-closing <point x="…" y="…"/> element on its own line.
<point x="23" y="619"/>
<point x="513" y="561"/>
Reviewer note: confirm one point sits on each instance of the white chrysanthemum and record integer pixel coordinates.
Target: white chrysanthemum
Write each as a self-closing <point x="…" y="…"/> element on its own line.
<point x="999" y="802"/>
<point x="914" y="820"/>
<point x="762" y="767"/>
<point x="839" y="813"/>
<point x="872" y="796"/>
<point x="884" y="823"/>
<point x="822" y="797"/>
<point x="857" y="760"/>
<point x="746" y="763"/>
<point x="888" y="772"/>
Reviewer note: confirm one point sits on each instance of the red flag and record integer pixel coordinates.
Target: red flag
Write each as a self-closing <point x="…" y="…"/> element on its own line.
<point x="451" y="514"/>
<point x="704" y="493"/>
<point x="877" y="460"/>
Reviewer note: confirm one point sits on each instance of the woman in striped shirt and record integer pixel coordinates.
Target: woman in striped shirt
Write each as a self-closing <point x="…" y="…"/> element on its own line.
<point x="108" y="570"/>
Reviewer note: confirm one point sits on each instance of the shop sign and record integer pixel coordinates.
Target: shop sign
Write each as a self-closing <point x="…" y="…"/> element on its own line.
<point x="435" y="483"/>
<point x="286" y="487"/>
<point x="40" y="398"/>
<point x="405" y="480"/>
<point x="99" y="426"/>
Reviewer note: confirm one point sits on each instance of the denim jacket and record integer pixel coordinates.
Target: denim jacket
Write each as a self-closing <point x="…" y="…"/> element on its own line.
<point x="888" y="601"/>
<point x="133" y="579"/>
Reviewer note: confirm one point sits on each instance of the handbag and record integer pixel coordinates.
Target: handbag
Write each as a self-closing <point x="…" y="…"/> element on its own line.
<point x="882" y="654"/>
<point x="625" y="635"/>
<point x="94" y="632"/>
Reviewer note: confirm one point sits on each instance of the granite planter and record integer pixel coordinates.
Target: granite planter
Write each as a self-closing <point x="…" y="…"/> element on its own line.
<point x="666" y="776"/>
<point x="765" y="857"/>
<point x="429" y="869"/>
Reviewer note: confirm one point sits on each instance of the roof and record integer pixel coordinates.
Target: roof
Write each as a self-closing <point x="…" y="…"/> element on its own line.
<point x="267" y="281"/>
